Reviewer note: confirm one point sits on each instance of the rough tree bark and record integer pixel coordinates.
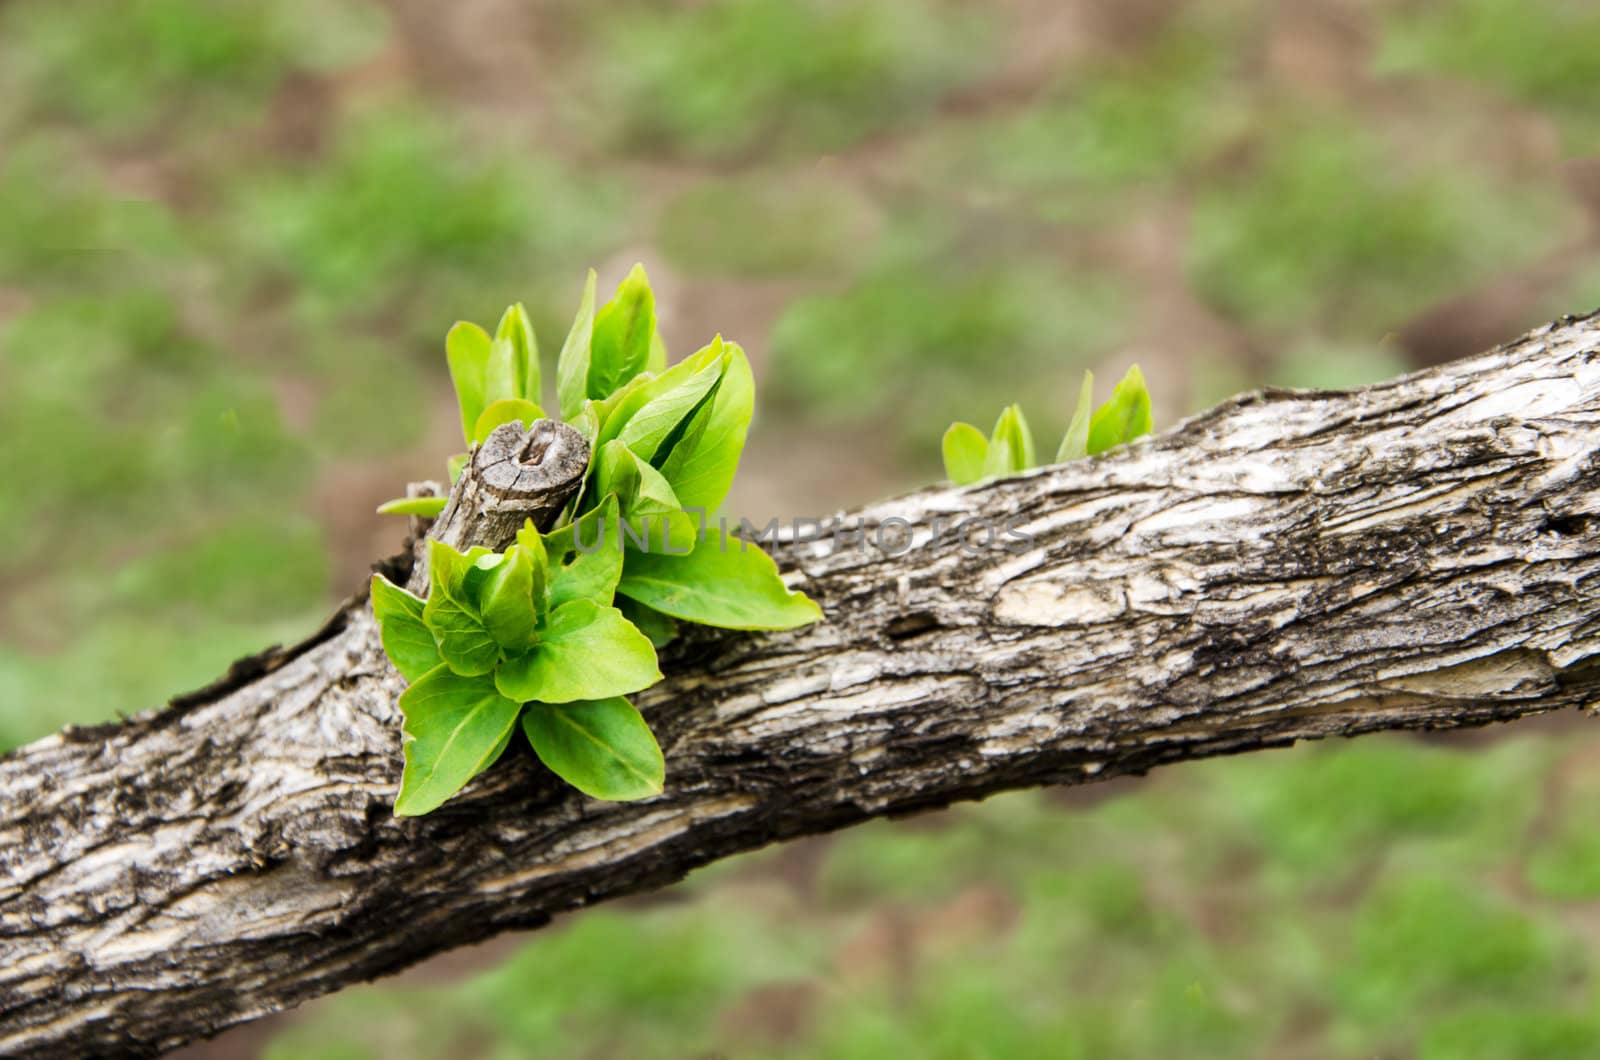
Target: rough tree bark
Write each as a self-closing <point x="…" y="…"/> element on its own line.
<point x="1291" y="565"/>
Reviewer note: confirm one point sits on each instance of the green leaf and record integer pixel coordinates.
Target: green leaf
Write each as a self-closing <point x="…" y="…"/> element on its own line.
<point x="657" y="361"/>
<point x="406" y="639"/>
<point x="601" y="747"/>
<point x="506" y="600"/>
<point x="701" y="464"/>
<point x="464" y="641"/>
<point x="586" y="421"/>
<point x="661" y="629"/>
<point x="506" y="410"/>
<point x="654" y="410"/>
<point x="457" y="464"/>
<point x="623" y="329"/>
<point x="466" y="348"/>
<point x="1123" y="418"/>
<point x="584" y="651"/>
<point x="725" y="581"/>
<point x="452" y="614"/>
<point x="517" y="329"/>
<point x="673" y="437"/>
<point x="648" y="504"/>
<point x="500" y="380"/>
<point x="965" y="451"/>
<point x="616" y="471"/>
<point x="585" y="560"/>
<point x="530" y="540"/>
<point x="606" y="408"/>
<point x="1011" y="445"/>
<point x="1076" y="443"/>
<point x="455" y="727"/>
<point x="1000" y="459"/>
<point x="427" y="507"/>
<point x="572" y="366"/>
<point x="448" y="570"/>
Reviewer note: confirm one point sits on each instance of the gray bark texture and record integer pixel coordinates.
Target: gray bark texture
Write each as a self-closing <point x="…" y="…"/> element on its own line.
<point x="1424" y="553"/>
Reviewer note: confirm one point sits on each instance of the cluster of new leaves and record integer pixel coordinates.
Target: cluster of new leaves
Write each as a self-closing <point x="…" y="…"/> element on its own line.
<point x="970" y="457"/>
<point x="558" y="629"/>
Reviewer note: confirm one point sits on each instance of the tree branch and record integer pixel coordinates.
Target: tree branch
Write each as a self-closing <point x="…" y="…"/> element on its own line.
<point x="1291" y="565"/>
<point x="514" y="476"/>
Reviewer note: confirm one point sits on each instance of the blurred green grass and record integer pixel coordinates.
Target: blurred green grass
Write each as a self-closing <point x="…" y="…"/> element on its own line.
<point x="1544" y="54"/>
<point x="1103" y="136"/>
<point x="733" y="78"/>
<point x="232" y="238"/>
<point x="1330" y="226"/>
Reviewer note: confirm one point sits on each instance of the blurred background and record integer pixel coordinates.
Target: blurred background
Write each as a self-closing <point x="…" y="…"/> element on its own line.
<point x="233" y="235"/>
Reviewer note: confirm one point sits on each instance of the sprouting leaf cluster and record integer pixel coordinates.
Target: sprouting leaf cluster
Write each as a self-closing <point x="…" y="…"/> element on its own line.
<point x="1008" y="450"/>
<point x="560" y="628"/>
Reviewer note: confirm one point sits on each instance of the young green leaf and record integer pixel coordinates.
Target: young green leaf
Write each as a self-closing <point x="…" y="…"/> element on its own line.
<point x="530" y="540"/>
<point x="451" y="612"/>
<point x="464" y="641"/>
<point x="616" y="471"/>
<point x="1011" y="444"/>
<point x="657" y="362"/>
<point x="1001" y="459"/>
<point x="517" y="329"/>
<point x="661" y="629"/>
<point x="725" y="581"/>
<point x="505" y="410"/>
<point x="1124" y="417"/>
<point x="572" y="366"/>
<point x="606" y="408"/>
<point x="655" y="409"/>
<point x="447" y="568"/>
<point x="601" y="747"/>
<point x="1076" y="442"/>
<point x="457" y="464"/>
<point x="501" y="381"/>
<point x="1024" y="434"/>
<point x="586" y="421"/>
<point x="455" y="727"/>
<point x="583" y="651"/>
<point x="965" y="452"/>
<point x="648" y="505"/>
<point x="506" y="601"/>
<point x="405" y="636"/>
<point x="623" y="329"/>
<point x="466" y="348"/>
<point x="427" y="507"/>
<point x="585" y="558"/>
<point x="700" y="465"/>
<point x="688" y="423"/>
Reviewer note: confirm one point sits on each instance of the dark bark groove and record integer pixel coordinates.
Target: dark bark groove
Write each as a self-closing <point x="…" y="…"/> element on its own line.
<point x="1291" y="565"/>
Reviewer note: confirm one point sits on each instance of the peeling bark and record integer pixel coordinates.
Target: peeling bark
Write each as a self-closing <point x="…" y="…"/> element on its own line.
<point x="1290" y="565"/>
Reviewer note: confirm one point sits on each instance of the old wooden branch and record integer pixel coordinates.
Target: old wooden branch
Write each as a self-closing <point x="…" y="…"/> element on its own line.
<point x="515" y="475"/>
<point x="1291" y="565"/>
